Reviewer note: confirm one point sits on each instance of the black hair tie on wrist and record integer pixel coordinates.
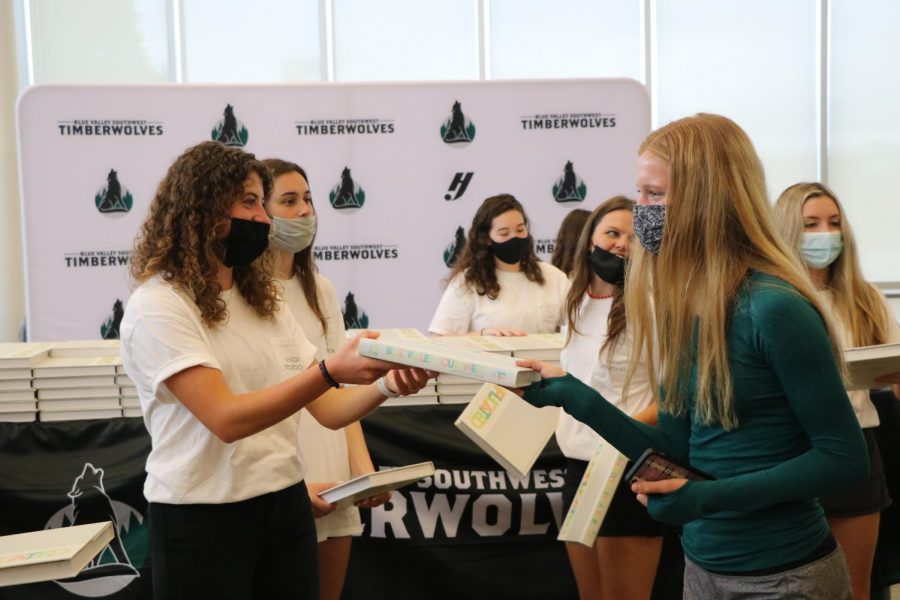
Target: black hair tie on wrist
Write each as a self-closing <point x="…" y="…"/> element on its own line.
<point x="328" y="378"/>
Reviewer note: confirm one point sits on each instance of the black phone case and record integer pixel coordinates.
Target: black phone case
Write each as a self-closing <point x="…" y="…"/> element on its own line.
<point x="692" y="473"/>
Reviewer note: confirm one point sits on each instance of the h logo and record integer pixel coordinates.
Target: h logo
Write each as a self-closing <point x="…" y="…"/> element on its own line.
<point x="458" y="186"/>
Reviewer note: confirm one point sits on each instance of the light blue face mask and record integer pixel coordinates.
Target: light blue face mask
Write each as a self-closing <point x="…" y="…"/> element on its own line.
<point x="821" y="249"/>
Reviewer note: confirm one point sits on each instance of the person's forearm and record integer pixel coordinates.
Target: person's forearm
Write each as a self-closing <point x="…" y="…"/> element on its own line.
<point x="628" y="435"/>
<point x="357" y="450"/>
<point x="232" y="417"/>
<point x="338" y="408"/>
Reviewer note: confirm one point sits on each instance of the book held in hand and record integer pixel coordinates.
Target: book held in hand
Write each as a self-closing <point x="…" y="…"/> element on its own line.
<point x="507" y="428"/>
<point x="474" y="364"/>
<point x="594" y="495"/>
<point x="374" y="484"/>
<point x="868" y="363"/>
<point x="52" y="553"/>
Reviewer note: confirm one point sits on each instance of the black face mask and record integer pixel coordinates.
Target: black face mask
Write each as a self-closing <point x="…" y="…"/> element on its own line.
<point x="607" y="266"/>
<point x="511" y="251"/>
<point x="246" y="241"/>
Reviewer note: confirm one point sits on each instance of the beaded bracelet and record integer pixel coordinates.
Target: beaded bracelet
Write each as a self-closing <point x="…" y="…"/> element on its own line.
<point x="328" y="378"/>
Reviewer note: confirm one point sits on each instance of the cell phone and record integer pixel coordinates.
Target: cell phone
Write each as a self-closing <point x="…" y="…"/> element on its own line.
<point x="655" y="466"/>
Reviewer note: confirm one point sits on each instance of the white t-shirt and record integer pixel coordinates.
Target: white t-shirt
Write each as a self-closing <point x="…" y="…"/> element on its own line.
<point x="163" y="334"/>
<point x="865" y="411"/>
<point x="325" y="449"/>
<point x="521" y="304"/>
<point x="582" y="358"/>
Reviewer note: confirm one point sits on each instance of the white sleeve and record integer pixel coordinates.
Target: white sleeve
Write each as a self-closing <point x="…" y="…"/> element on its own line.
<point x="560" y="285"/>
<point x="454" y="312"/>
<point x="564" y="285"/>
<point x="337" y="334"/>
<point x="162" y="341"/>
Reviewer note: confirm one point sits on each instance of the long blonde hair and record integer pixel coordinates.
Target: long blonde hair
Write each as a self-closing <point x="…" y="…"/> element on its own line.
<point x="718" y="228"/>
<point x="857" y="303"/>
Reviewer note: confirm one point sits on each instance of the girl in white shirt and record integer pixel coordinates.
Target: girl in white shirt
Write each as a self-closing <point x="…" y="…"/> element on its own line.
<point x="813" y="223"/>
<point x="623" y="561"/>
<point x="332" y="455"/>
<point x="222" y="374"/>
<point x="499" y="286"/>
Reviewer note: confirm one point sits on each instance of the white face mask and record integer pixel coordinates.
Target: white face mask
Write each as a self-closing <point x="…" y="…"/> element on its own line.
<point x="821" y="249"/>
<point x="293" y="235"/>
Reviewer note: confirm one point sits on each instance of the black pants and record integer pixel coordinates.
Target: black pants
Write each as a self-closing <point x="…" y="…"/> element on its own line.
<point x="260" y="548"/>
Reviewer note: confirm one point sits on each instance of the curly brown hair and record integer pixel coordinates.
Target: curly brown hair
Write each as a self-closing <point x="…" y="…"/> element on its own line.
<point x="477" y="262"/>
<point x="178" y="240"/>
<point x="304" y="265"/>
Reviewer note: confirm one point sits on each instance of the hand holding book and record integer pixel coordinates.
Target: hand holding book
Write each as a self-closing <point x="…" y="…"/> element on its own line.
<point x="320" y="507"/>
<point x="503" y="331"/>
<point x="375" y="501"/>
<point x="643" y="489"/>
<point x="348" y="366"/>
<point x="408" y="380"/>
<point x="548" y="390"/>
<point x="892" y="379"/>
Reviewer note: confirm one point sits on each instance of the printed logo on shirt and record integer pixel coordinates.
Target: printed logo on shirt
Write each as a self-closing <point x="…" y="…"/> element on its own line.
<point x="458" y="186"/>
<point x="109" y="330"/>
<point x="110" y="127"/>
<point x="458" y="128"/>
<point x="570" y="187"/>
<point x="113" y="197"/>
<point x="354" y="316"/>
<point x="229" y="130"/>
<point x="542" y="122"/>
<point x="355" y="127"/>
<point x="346" y="194"/>
<point x="455" y="248"/>
<point x="118" y="564"/>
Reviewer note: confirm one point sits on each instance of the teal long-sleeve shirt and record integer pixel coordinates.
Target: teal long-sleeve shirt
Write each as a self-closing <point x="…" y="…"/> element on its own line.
<point x="797" y="437"/>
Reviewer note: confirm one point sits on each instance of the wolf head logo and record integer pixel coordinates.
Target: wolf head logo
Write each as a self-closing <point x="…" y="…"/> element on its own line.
<point x="112" y="198"/>
<point x="353" y="317"/>
<point x="229" y="130"/>
<point x="91" y="504"/>
<point x="110" y="328"/>
<point x="569" y="188"/>
<point x="457" y="129"/>
<point x="455" y="248"/>
<point x="347" y="194"/>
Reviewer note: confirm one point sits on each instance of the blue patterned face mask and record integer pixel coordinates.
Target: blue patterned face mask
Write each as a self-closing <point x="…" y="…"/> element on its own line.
<point x="821" y="249"/>
<point x="649" y="220"/>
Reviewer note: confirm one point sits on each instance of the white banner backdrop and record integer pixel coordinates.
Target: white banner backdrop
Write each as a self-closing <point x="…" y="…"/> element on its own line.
<point x="395" y="171"/>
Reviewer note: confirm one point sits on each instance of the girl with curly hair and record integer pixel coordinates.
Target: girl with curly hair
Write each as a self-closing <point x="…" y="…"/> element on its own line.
<point x="222" y="374"/>
<point x="749" y="371"/>
<point x="498" y="286"/>
<point x="815" y="227"/>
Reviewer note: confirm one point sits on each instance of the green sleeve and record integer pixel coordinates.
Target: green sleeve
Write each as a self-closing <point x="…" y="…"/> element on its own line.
<point x="792" y="337"/>
<point x="630" y="437"/>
